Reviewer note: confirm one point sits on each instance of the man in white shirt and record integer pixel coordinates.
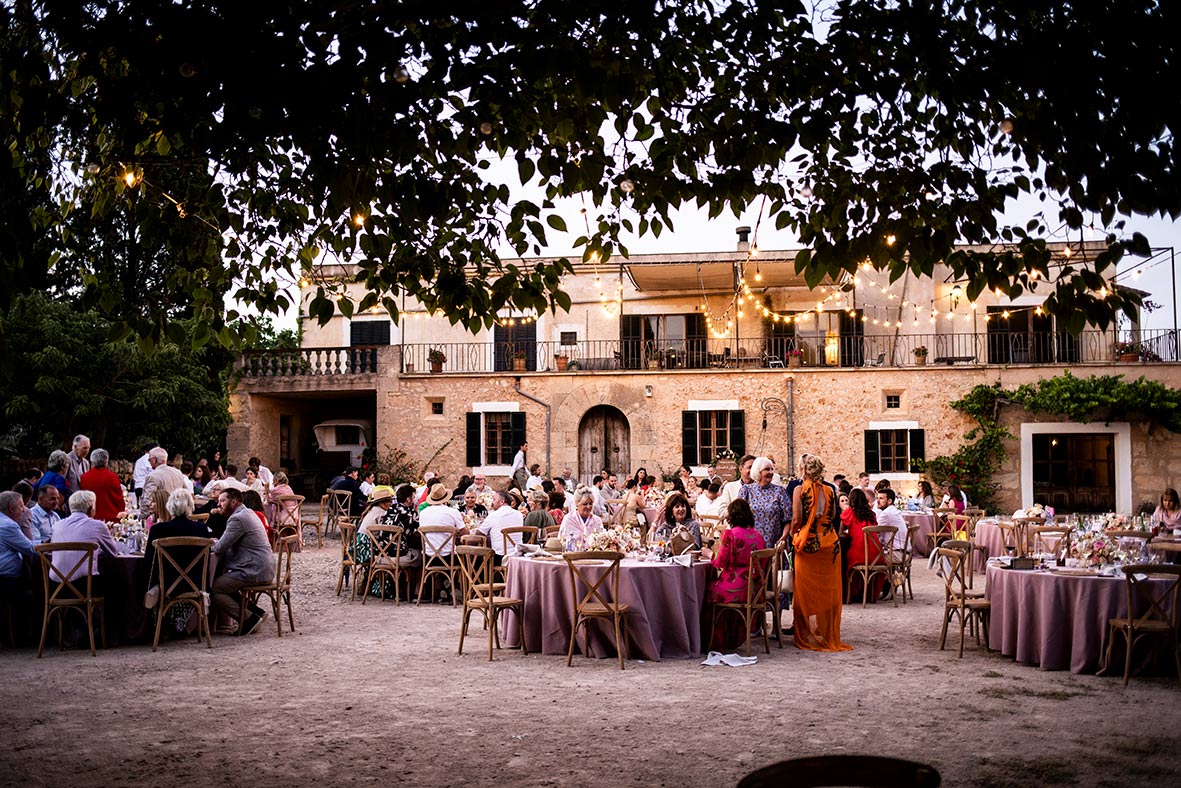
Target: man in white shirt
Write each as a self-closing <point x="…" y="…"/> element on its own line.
<point x="888" y="514"/>
<point x="707" y="501"/>
<point x="437" y="512"/>
<point x="519" y="466"/>
<point x="730" y="492"/>
<point x="502" y="516"/>
<point x="535" y="479"/>
<point x="163" y="477"/>
<point x="263" y="472"/>
<point x="561" y="486"/>
<point x="139" y="473"/>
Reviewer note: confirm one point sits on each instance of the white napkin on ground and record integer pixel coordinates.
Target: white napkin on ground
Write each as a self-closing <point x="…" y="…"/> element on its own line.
<point x="732" y="660"/>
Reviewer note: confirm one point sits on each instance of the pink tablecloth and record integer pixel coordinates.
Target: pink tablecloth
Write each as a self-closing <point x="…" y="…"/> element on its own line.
<point x="990" y="539"/>
<point x="926" y="523"/>
<point x="664" y="621"/>
<point x="1055" y="621"/>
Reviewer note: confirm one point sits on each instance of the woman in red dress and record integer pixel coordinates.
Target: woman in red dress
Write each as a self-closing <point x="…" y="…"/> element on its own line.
<point x="854" y="519"/>
<point x="733" y="564"/>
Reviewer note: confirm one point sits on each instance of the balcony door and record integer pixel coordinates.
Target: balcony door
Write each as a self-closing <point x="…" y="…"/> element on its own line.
<point x="1075" y="472"/>
<point x="514" y="341"/>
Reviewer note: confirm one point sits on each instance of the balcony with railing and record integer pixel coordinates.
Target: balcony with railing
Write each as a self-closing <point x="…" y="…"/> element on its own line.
<point x="870" y="350"/>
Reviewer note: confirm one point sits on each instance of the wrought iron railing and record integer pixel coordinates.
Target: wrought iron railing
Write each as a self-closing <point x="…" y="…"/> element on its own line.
<point x="870" y="350"/>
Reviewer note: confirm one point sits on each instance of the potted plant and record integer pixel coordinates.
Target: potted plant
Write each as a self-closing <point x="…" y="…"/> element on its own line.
<point x="1128" y="352"/>
<point x="920" y="355"/>
<point x="795" y="357"/>
<point x="560" y="361"/>
<point x="519" y="360"/>
<point x="436" y="359"/>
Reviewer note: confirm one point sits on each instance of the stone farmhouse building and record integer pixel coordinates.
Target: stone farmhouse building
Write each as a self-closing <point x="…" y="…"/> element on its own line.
<point x="670" y="359"/>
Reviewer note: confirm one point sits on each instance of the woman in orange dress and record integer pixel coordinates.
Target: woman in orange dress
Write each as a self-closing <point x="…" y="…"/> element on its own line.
<point x="816" y="610"/>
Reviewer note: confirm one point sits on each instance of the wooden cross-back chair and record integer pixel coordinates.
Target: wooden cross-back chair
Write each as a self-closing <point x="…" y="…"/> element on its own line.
<point x="385" y="560"/>
<point x="348" y="559"/>
<point x="1051" y="539"/>
<point x="190" y="583"/>
<point x="1162" y="610"/>
<point x="881" y="564"/>
<point x="287" y="519"/>
<point x="780" y="564"/>
<point x="339" y="503"/>
<point x="753" y="607"/>
<point x="319" y="520"/>
<point x="972" y="610"/>
<point x="436" y="562"/>
<point x="480" y="594"/>
<point x="902" y="566"/>
<point x="63" y="594"/>
<point x="278" y="590"/>
<point x="593" y="604"/>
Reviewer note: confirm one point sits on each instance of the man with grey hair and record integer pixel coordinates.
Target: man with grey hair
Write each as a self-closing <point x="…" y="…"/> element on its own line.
<point x="163" y="477"/>
<point x="81" y="526"/>
<point x="14" y="547"/>
<point x="105" y="485"/>
<point x="502" y="516"/>
<point x="54" y="468"/>
<point x="76" y="463"/>
<point x="43" y="515"/>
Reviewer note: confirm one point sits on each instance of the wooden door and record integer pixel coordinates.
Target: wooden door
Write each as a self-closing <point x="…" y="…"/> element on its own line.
<point x="604" y="441"/>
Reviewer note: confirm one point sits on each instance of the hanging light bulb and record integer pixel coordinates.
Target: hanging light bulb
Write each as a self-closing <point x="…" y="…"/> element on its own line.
<point x="401" y="75"/>
<point x="131" y="178"/>
<point x="890" y="240"/>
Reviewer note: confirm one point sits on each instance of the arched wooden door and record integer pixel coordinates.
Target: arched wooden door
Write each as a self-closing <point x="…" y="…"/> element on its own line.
<point x="604" y="441"/>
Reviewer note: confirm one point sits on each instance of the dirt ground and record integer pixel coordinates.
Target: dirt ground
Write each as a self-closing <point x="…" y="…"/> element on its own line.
<point x="376" y="695"/>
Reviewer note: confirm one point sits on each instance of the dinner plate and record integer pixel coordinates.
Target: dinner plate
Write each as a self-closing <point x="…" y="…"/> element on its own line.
<point x="1075" y="571"/>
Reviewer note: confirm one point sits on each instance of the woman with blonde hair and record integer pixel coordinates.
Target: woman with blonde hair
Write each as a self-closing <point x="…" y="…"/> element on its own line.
<point x="816" y="609"/>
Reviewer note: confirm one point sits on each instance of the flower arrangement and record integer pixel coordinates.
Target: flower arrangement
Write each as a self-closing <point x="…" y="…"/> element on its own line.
<point x="436" y="356"/>
<point x="485" y="499"/>
<point x="1114" y="522"/>
<point x="624" y="540"/>
<point x="655" y="495"/>
<point x="127" y="522"/>
<point x="1095" y="549"/>
<point x="519" y="353"/>
<point x="796" y="352"/>
<point x="921" y="351"/>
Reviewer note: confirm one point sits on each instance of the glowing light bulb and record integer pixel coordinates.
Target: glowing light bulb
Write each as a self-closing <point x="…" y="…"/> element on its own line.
<point x="359" y="219"/>
<point x="806" y="192"/>
<point x="890" y="240"/>
<point x="401" y="75"/>
<point x="130" y="178"/>
<point x="485" y="128"/>
<point x="626" y="186"/>
<point x="1007" y="126"/>
<point x="1067" y="252"/>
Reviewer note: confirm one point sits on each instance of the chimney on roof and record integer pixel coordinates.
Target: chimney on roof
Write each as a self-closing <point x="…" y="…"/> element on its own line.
<point x="743" y="239"/>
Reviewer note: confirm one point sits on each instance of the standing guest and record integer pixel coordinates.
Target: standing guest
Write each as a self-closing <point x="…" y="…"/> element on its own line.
<point x="368" y="480"/>
<point x="43" y="515"/>
<point x="732" y="562"/>
<point x="76" y="463"/>
<point x="14" y="548"/>
<point x="163" y="477"/>
<point x="579" y="524"/>
<point x="517" y="473"/>
<point x="568" y="479"/>
<point x="55" y="468"/>
<point x="854" y="519"/>
<point x="216" y="468"/>
<point x="1168" y="512"/>
<point x="926" y="495"/>
<point x="844" y="487"/>
<point x="677" y="515"/>
<point x="186" y="469"/>
<point x="246" y="558"/>
<point x="538" y="517"/>
<point x="81" y="526"/>
<point x="775" y="477"/>
<point x="707" y="502"/>
<point x="264" y="473"/>
<point x="32" y="476"/>
<point x="816" y="611"/>
<point x="503" y="515"/>
<point x="837" y="479"/>
<point x="863" y="483"/>
<point x="731" y="490"/>
<point x="768" y="501"/>
<point x="143" y="467"/>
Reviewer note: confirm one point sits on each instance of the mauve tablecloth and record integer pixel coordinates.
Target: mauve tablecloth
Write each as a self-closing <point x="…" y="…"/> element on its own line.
<point x="926" y="523"/>
<point x="989" y="537"/>
<point x="1055" y="621"/>
<point x="664" y="621"/>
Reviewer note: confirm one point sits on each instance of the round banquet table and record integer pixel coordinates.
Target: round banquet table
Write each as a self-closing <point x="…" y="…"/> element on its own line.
<point x="664" y="621"/>
<point x="127" y="621"/>
<point x="990" y="539"/>
<point x="926" y="523"/>
<point x="1056" y="621"/>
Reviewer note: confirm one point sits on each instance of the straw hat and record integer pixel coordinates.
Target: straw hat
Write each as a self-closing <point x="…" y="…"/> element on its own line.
<point x="554" y="545"/>
<point x="380" y="494"/>
<point x="439" y="494"/>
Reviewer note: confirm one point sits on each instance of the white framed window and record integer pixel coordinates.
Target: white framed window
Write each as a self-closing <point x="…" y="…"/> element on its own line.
<point x="1118" y="433"/>
<point x="891" y="446"/>
<point x="495" y="431"/>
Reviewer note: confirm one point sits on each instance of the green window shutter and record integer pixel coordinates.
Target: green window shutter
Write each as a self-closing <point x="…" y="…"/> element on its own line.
<point x="474" y="422"/>
<point x="872" y="451"/>
<point x="918" y="446"/>
<point x="517" y="422"/>
<point x="738" y="432"/>
<point x="689" y="437"/>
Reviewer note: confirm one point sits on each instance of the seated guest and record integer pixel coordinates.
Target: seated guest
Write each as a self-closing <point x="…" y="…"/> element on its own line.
<point x="437" y="512"/>
<point x="1168" y="512"/>
<point x="103" y="482"/>
<point x="43" y="515"/>
<point x="471" y="506"/>
<point x="888" y="514"/>
<point x="253" y="482"/>
<point x="568" y="494"/>
<point x="81" y="526"/>
<point x="732" y="563"/>
<point x="502" y="516"/>
<point x="854" y="519"/>
<point x="246" y="559"/>
<point x="215" y="487"/>
<point x="159" y="508"/>
<point x="954" y="497"/>
<point x="25" y="490"/>
<point x="54" y="475"/>
<point x="280" y="488"/>
<point x="926" y="495"/>
<point x="261" y="471"/>
<point x="367" y="482"/>
<point x="202" y="476"/>
<point x="461" y="486"/>
<point x="14" y="548"/>
<point x="380" y="501"/>
<point x="538" y="517"/>
<point x="179" y="508"/>
<point x="578" y="525"/>
<point x="676" y="516"/>
<point x="162" y="477"/>
<point x="533" y="481"/>
<point x="557" y="505"/>
<point x="186" y="468"/>
<point x="349" y="483"/>
<point x="253" y="501"/>
<point x="707" y="501"/>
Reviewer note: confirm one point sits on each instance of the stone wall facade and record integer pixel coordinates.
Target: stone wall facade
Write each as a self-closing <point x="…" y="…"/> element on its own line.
<point x="827" y="413"/>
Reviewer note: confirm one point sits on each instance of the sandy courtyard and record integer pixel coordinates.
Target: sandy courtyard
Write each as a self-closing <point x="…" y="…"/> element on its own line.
<point x="376" y="695"/>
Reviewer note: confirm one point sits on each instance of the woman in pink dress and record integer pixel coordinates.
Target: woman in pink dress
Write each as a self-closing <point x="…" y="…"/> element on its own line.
<point x="733" y="564"/>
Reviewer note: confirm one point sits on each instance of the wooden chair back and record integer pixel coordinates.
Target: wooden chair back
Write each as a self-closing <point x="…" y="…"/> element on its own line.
<point x="551" y="531"/>
<point x="190" y="582"/>
<point x="960" y="526"/>
<point x="287" y="516"/>
<point x="712" y="526"/>
<point x="339" y="503"/>
<point x="885" y="535"/>
<point x="954" y="577"/>
<point x="199" y="518"/>
<point x="762" y="563"/>
<point x="437" y="562"/>
<point x="1051" y="539"/>
<point x="348" y="557"/>
<point x="586" y="605"/>
<point x="62" y="594"/>
<point x="1161" y="605"/>
<point x="520" y="534"/>
<point x="384" y="559"/>
<point x="476" y="565"/>
<point x="279" y="589"/>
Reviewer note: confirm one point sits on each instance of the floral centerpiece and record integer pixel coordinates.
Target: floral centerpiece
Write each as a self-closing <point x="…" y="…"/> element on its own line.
<point x="1096" y="549"/>
<point x="624" y="540"/>
<point x="1114" y="522"/>
<point x="655" y="495"/>
<point x="486" y="498"/>
<point x="125" y="525"/>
